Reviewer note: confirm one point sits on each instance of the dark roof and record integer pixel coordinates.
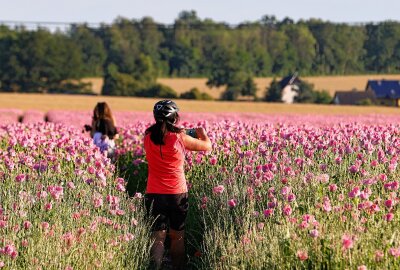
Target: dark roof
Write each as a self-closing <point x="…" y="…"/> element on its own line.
<point x="385" y="88"/>
<point x="353" y="97"/>
<point x="291" y="79"/>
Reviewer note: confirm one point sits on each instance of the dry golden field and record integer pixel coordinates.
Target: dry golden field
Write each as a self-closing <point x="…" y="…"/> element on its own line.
<point x="43" y="102"/>
<point x="328" y="83"/>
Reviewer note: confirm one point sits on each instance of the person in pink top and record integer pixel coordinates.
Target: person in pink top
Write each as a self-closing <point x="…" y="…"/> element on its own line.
<point x="166" y="196"/>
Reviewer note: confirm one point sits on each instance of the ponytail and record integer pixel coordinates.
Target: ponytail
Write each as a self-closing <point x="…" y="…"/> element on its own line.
<point x="160" y="128"/>
<point x="157" y="132"/>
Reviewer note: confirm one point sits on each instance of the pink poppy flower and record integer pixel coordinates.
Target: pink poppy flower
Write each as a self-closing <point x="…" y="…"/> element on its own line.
<point x="218" y="189"/>
<point x="287" y="210"/>
<point x="389" y="217"/>
<point x="314" y="233"/>
<point x="213" y="160"/>
<point x="379" y="255"/>
<point x="268" y="212"/>
<point x="232" y="203"/>
<point x="395" y="252"/>
<point x="302" y="255"/>
<point x="347" y="241"/>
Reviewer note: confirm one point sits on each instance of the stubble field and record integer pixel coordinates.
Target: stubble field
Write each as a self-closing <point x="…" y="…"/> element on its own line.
<point x="328" y="83"/>
<point x="44" y="103"/>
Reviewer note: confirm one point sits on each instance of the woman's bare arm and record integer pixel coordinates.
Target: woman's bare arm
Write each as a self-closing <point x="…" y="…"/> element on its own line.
<point x="202" y="143"/>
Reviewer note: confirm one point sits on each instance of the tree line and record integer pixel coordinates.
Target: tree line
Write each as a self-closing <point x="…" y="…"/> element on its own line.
<point x="130" y="54"/>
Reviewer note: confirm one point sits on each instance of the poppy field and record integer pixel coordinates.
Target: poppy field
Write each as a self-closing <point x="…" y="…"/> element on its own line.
<point x="276" y="192"/>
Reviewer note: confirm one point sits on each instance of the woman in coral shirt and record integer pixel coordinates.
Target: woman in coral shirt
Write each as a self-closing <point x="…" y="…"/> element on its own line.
<point x="166" y="193"/>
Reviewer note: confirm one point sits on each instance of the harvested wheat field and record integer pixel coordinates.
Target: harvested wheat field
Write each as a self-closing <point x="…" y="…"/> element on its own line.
<point x="43" y="102"/>
<point x="328" y="83"/>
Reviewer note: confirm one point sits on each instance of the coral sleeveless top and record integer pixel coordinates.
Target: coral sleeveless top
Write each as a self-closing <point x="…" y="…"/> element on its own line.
<point x="165" y="164"/>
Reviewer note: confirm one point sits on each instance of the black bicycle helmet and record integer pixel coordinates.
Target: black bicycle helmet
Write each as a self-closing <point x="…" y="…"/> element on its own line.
<point x="165" y="110"/>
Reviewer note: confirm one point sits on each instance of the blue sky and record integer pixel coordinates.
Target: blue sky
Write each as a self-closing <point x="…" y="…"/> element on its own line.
<point x="230" y="11"/>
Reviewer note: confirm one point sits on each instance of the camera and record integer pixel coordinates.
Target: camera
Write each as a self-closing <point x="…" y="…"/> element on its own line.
<point x="191" y="132"/>
<point x="87" y="128"/>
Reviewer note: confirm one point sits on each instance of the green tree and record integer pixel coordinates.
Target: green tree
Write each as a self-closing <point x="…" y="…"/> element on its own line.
<point x="339" y="47"/>
<point x="182" y="61"/>
<point x="283" y="59"/>
<point x="158" y="90"/>
<point x="322" y="97"/>
<point x="11" y="70"/>
<point x="231" y="93"/>
<point x="227" y="70"/>
<point x="352" y="40"/>
<point x="274" y="92"/>
<point x="325" y="61"/>
<point x="383" y="47"/>
<point x="120" y="84"/>
<point x="36" y="61"/>
<point x="306" y="93"/>
<point x="302" y="43"/>
<point x="152" y="39"/>
<point x="195" y="93"/>
<point x="184" y="45"/>
<point x="249" y="87"/>
<point x="125" y="61"/>
<point x="92" y="50"/>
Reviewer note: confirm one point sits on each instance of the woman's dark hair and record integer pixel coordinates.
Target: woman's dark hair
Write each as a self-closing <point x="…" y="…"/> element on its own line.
<point x="102" y="111"/>
<point x="103" y="121"/>
<point x="166" y="115"/>
<point x="160" y="128"/>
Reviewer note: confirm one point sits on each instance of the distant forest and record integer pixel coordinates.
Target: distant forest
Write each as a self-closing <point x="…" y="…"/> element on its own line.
<point x="131" y="54"/>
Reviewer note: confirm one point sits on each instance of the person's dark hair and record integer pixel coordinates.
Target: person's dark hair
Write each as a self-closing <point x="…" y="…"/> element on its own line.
<point x="102" y="111"/>
<point x="103" y="121"/>
<point x="166" y="115"/>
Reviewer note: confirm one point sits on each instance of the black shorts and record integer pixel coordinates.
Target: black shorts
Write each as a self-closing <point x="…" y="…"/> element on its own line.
<point x="168" y="210"/>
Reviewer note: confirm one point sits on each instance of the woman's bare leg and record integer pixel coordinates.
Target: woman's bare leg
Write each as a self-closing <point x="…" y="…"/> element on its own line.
<point x="177" y="248"/>
<point x="157" y="250"/>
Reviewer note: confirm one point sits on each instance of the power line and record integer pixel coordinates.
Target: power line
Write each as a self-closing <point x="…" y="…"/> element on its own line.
<point x="7" y="22"/>
<point x="195" y="25"/>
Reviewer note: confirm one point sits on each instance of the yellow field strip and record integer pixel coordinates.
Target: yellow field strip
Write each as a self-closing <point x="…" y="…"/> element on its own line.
<point x="43" y="102"/>
<point x="328" y="83"/>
